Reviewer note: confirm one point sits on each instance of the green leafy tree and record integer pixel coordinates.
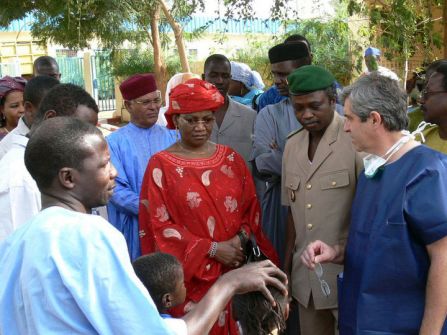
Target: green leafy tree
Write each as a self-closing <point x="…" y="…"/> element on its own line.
<point x="333" y="46"/>
<point x="332" y="42"/>
<point x="401" y="27"/>
<point x="128" y="62"/>
<point x="75" y="23"/>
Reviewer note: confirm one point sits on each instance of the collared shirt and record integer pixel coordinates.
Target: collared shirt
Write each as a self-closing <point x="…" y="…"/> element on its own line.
<point x="66" y="272"/>
<point x="236" y="130"/>
<point x="7" y="141"/>
<point x="19" y="195"/>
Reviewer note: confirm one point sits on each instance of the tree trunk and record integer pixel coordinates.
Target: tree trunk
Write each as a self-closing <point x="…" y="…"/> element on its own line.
<point x="178" y="33"/>
<point x="160" y="70"/>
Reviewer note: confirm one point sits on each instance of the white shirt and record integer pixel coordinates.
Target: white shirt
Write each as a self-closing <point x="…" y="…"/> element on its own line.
<point x="19" y="195"/>
<point x="6" y="142"/>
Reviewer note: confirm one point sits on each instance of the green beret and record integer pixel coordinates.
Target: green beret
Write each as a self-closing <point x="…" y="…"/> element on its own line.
<point x="309" y="78"/>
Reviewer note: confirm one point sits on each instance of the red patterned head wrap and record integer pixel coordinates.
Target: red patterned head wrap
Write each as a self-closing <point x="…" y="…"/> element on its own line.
<point x="194" y="95"/>
<point x="9" y="84"/>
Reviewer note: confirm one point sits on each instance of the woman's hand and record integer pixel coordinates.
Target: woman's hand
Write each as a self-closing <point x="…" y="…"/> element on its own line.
<point x="230" y="253"/>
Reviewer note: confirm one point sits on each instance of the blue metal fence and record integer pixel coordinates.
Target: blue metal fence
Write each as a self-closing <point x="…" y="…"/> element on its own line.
<point x="72" y="70"/>
<point x="103" y="82"/>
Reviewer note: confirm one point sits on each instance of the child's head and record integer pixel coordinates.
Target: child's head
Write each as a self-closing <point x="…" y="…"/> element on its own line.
<point x="162" y="275"/>
<point x="257" y="316"/>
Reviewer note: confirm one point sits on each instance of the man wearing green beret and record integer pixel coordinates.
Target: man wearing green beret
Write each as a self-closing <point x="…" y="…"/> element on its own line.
<point x="320" y="169"/>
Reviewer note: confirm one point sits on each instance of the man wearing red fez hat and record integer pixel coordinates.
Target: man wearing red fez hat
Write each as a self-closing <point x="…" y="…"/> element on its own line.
<point x="234" y="121"/>
<point x="130" y="149"/>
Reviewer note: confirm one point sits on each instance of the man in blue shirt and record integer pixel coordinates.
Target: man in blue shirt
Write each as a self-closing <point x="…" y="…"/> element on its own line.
<point x="131" y="147"/>
<point x="67" y="272"/>
<point x="395" y="259"/>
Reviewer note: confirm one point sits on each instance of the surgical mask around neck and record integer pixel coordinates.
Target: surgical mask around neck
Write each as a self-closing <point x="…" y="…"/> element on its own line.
<point x="373" y="163"/>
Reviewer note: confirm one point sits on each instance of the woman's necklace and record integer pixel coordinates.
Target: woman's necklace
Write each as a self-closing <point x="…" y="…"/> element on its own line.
<point x="7" y="131"/>
<point x="206" y="151"/>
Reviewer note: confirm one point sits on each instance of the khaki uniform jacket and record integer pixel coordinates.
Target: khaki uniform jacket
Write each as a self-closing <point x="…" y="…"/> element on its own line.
<point x="319" y="195"/>
<point x="236" y="130"/>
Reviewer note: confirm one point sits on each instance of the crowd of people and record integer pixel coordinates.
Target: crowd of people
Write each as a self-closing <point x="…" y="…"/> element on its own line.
<point x="331" y="185"/>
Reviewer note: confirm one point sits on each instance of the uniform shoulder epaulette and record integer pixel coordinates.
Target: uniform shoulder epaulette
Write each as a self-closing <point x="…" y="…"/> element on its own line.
<point x="294" y="132"/>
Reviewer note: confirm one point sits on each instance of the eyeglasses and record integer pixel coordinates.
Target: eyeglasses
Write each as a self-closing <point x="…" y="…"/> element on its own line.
<point x="425" y="94"/>
<point x="148" y="102"/>
<point x="324" y="285"/>
<point x="194" y="122"/>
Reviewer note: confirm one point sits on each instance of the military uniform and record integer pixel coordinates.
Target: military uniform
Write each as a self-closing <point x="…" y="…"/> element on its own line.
<point x="319" y="194"/>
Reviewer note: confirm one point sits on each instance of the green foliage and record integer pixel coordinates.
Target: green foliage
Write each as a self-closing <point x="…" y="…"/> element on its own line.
<point x="255" y="55"/>
<point x="244" y="9"/>
<point x="332" y="44"/>
<point x="75" y="23"/>
<point x="401" y="27"/>
<point x="128" y="62"/>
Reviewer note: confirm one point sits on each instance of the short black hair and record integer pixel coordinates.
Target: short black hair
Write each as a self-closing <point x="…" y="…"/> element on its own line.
<point x="257" y="316"/>
<point x="64" y="99"/>
<point x="57" y="143"/>
<point x="439" y="66"/>
<point x="216" y="58"/>
<point x="45" y="61"/>
<point x="297" y="38"/>
<point x="37" y="87"/>
<point x="159" y="272"/>
<point x="432" y="67"/>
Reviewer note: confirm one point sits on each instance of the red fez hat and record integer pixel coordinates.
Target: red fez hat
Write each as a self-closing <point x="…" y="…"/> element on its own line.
<point x="194" y="95"/>
<point x="137" y="86"/>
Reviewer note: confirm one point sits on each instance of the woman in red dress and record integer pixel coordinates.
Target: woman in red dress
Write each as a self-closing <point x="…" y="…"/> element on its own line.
<point x="199" y="201"/>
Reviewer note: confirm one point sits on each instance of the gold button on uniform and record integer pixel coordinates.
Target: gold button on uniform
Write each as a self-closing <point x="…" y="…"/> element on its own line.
<point x="309" y="206"/>
<point x="308" y="186"/>
<point x="334" y="183"/>
<point x="309" y="226"/>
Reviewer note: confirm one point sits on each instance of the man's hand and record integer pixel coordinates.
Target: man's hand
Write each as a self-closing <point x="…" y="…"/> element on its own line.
<point x="256" y="277"/>
<point x="319" y="252"/>
<point x="230" y="253"/>
<point x="252" y="277"/>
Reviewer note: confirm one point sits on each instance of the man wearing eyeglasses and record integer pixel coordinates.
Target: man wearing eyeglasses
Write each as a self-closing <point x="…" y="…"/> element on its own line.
<point x="130" y="150"/>
<point x="395" y="259"/>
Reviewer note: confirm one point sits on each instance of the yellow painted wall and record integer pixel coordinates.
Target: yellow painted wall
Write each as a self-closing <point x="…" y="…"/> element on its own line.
<point x="22" y="48"/>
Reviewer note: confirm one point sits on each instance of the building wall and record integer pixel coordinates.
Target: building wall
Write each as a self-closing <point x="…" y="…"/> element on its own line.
<point x="18" y="52"/>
